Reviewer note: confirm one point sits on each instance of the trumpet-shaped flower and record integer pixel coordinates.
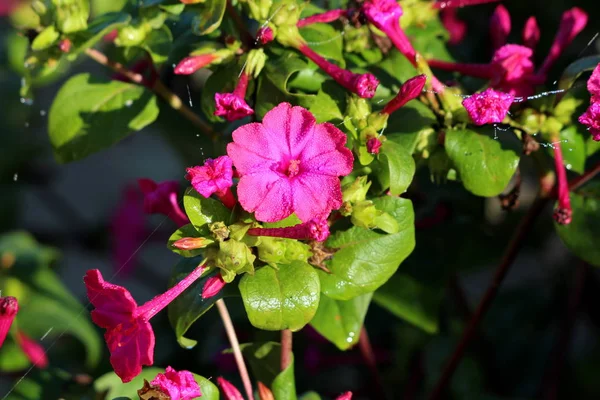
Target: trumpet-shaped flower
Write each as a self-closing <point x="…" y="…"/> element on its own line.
<point x="161" y="198"/>
<point x="215" y="176"/>
<point x="233" y="105"/>
<point x="591" y="119"/>
<point x="289" y="164"/>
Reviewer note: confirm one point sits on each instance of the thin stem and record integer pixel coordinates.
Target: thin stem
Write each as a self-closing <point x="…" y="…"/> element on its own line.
<point x="286" y="348"/>
<point x="235" y="345"/>
<point x="158" y="87"/>
<point x="583" y="179"/>
<point x="366" y="350"/>
<point x="239" y="25"/>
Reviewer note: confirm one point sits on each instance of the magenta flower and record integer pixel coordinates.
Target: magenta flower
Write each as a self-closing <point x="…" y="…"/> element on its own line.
<point x="345" y="396"/>
<point x="593" y="84"/>
<point x="591" y="119"/>
<point x="563" y="212"/>
<point x="264" y="35"/>
<point x="177" y="385"/>
<point x="328" y="16"/>
<point x="409" y="90"/>
<point x="233" y="106"/>
<point x="9" y="306"/>
<point x="213" y="286"/>
<point x="289" y="164"/>
<point x="129" y="335"/>
<point x="488" y="107"/>
<point x="363" y="85"/>
<point x="373" y="145"/>
<point x="191" y="64"/>
<point x="456" y="27"/>
<point x="128" y="230"/>
<point x="33" y="350"/>
<point x="161" y="198"/>
<point x="511" y="65"/>
<point x="531" y="33"/>
<point x="230" y="392"/>
<point x="499" y="26"/>
<point x="316" y="229"/>
<point x="214" y="177"/>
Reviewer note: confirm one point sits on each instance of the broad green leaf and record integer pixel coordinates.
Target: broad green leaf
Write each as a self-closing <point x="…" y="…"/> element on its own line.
<point x="111" y="385"/>
<point x="105" y="112"/>
<point x="365" y="259"/>
<point x="411" y="300"/>
<point x="398" y="169"/>
<point x="340" y="321"/>
<point x="325" y="40"/>
<point x="202" y="211"/>
<point x="574" y="70"/>
<point x="284" y="384"/>
<point x="573" y="149"/>
<point x="281" y="299"/>
<point x="208" y="16"/>
<point x="97" y="29"/>
<point x="329" y="102"/>
<point x="581" y="235"/>
<point x="71" y="15"/>
<point x="188" y="306"/>
<point x="158" y="44"/>
<point x="485" y="164"/>
<point x="429" y="41"/>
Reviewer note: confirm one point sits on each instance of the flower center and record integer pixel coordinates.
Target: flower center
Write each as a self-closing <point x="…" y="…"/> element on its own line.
<point x="293" y="168"/>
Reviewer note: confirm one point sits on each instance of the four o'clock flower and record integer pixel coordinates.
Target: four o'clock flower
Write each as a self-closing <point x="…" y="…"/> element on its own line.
<point x="488" y="107"/>
<point x="264" y="35"/>
<point x="213" y="286"/>
<point x="345" y="396"/>
<point x="563" y="212"/>
<point x="443" y="4"/>
<point x="233" y="105"/>
<point x="230" y="392"/>
<point x="161" y="198"/>
<point x="191" y="64"/>
<point x="499" y="26"/>
<point x="316" y="229"/>
<point x="591" y="119"/>
<point x="531" y="33"/>
<point x="593" y="85"/>
<point x="373" y="145"/>
<point x="289" y="164"/>
<point x="409" y="90"/>
<point x="178" y="385"/>
<point x="214" y="177"/>
<point x="9" y="306"/>
<point x="32" y="349"/>
<point x="129" y="335"/>
<point x="456" y="27"/>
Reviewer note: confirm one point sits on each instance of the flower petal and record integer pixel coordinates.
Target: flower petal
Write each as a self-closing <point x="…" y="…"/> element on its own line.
<point x="335" y="163"/>
<point x="260" y="190"/>
<point x="296" y="123"/>
<point x="315" y="195"/>
<point x="253" y="150"/>
<point x="326" y="139"/>
<point x="113" y="303"/>
<point x="131" y="346"/>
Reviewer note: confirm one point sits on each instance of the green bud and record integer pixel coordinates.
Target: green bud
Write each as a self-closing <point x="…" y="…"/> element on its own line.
<point x="377" y="121"/>
<point x="255" y="62"/>
<point x="386" y="223"/>
<point x="238" y="232"/>
<point x="426" y="142"/>
<point x="566" y="108"/>
<point x="259" y="9"/>
<point x="296" y="251"/>
<point x="45" y="39"/>
<point x="346" y="209"/>
<point x="356" y="191"/>
<point x="285" y="12"/>
<point x="132" y="35"/>
<point x="40" y="7"/>
<point x="356" y="40"/>
<point x="363" y="214"/>
<point x="274" y="251"/>
<point x="234" y="256"/>
<point x="219" y="231"/>
<point x="289" y="36"/>
<point x="71" y="15"/>
<point x="531" y="120"/>
<point x="357" y="109"/>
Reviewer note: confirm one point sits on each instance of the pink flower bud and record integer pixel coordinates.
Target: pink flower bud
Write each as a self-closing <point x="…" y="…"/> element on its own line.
<point x="328" y="16"/>
<point x="233" y="106"/>
<point x="33" y="350"/>
<point x="499" y="26"/>
<point x="230" y="392"/>
<point x="563" y="212"/>
<point x="111" y="36"/>
<point x="191" y="64"/>
<point x="213" y="286"/>
<point x="373" y="145"/>
<point x="9" y="306"/>
<point x="177" y="385"/>
<point x="410" y="90"/>
<point x="316" y="229"/>
<point x="264" y="393"/>
<point x="488" y="107"/>
<point x="65" y="45"/>
<point x="456" y="27"/>
<point x="591" y="119"/>
<point x="345" y="396"/>
<point x="191" y="243"/>
<point x="264" y="35"/>
<point x="531" y="33"/>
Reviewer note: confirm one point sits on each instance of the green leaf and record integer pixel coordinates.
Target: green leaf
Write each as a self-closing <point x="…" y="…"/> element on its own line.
<point x="287" y="298"/>
<point x="329" y="102"/>
<point x="188" y="306"/>
<point x="398" y="169"/>
<point x="325" y="40"/>
<point x="71" y="15"/>
<point x="97" y="29"/>
<point x="340" y="321"/>
<point x="45" y="39"/>
<point x="284" y="384"/>
<point x="581" y="235"/>
<point x="310" y="396"/>
<point x="12" y="358"/>
<point x="265" y="360"/>
<point x="573" y="149"/>
<point x="105" y="112"/>
<point x="411" y="300"/>
<point x="208" y="16"/>
<point x="574" y="70"/>
<point x="202" y="211"/>
<point x="158" y="44"/>
<point x="366" y="259"/>
<point x="111" y="384"/>
<point x="484" y="164"/>
<point x="405" y="125"/>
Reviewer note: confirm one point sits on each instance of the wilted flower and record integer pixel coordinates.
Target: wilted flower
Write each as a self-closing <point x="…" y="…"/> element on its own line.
<point x="488" y="107"/>
<point x="178" y="385"/>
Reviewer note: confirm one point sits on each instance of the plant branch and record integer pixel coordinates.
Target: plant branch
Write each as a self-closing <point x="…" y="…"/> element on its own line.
<point x="158" y="87"/>
<point x="235" y="345"/>
<point x="286" y="348"/>
<point x="364" y="344"/>
<point x="582" y="179"/>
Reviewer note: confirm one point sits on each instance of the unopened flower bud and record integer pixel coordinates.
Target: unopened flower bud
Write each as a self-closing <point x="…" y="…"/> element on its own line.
<point x="255" y="62"/>
<point x="264" y="392"/>
<point x="192" y="243"/>
<point x="265" y="35"/>
<point x="65" y="45"/>
<point x="33" y="350"/>
<point x="213" y="286"/>
<point x="230" y="392"/>
<point x="234" y="256"/>
<point x="373" y="145"/>
<point x="356" y="191"/>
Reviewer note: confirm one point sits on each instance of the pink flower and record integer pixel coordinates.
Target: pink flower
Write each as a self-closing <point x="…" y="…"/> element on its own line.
<point x="129" y="335"/>
<point x="161" y="198"/>
<point x="488" y="107"/>
<point x="65" y="45"/>
<point x="373" y="145"/>
<point x="512" y="64"/>
<point x="33" y="350"/>
<point x="345" y="396"/>
<point x="289" y="164"/>
<point x="233" y="106"/>
<point x="456" y="27"/>
<point x="563" y="212"/>
<point x="571" y="24"/>
<point x="328" y="16"/>
<point x="593" y="84"/>
<point x="499" y="26"/>
<point x="178" y="385"/>
<point x="591" y="119"/>
<point x="264" y="35"/>
<point x="230" y="392"/>
<point x="191" y="64"/>
<point x="316" y="229"/>
<point x="9" y="306"/>
<point x="531" y="33"/>
<point x="215" y="176"/>
<point x="363" y="85"/>
<point x="409" y="90"/>
<point x="128" y="229"/>
<point x="213" y="286"/>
